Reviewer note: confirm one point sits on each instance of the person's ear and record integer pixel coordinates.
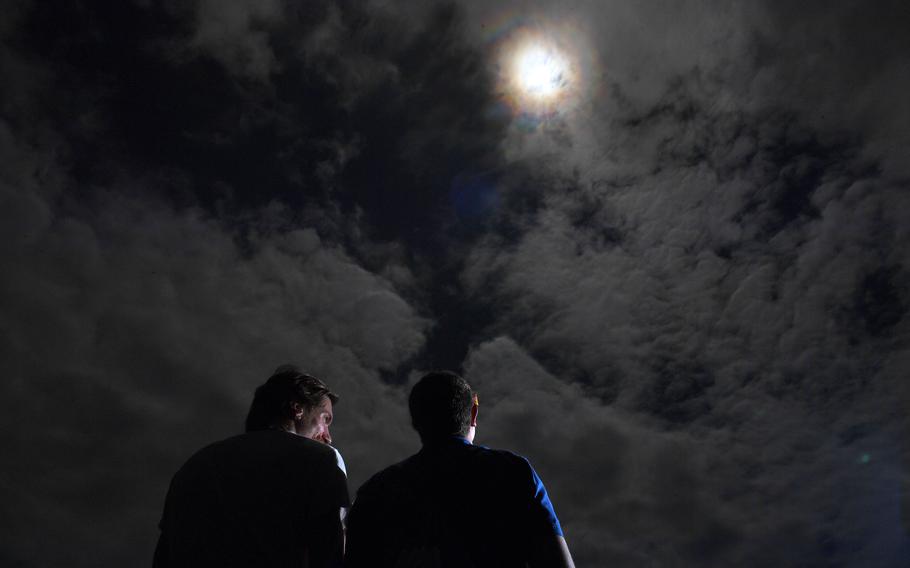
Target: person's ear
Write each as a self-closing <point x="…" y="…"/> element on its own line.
<point x="296" y="410"/>
<point x="475" y="408"/>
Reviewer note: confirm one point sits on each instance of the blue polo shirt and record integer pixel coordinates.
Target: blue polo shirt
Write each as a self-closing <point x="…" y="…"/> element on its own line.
<point x="451" y="504"/>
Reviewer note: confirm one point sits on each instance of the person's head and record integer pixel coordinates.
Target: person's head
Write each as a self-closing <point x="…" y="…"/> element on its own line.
<point x="295" y="401"/>
<point x="443" y="405"/>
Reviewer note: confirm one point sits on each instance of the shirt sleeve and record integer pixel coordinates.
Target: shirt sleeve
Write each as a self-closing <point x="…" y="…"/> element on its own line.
<point x="343" y="512"/>
<point x="339" y="484"/>
<point x="542" y="512"/>
<point x="325" y="532"/>
<point x="340" y="461"/>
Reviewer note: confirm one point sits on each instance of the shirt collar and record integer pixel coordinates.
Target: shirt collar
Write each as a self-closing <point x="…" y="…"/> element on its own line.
<point x="447" y="441"/>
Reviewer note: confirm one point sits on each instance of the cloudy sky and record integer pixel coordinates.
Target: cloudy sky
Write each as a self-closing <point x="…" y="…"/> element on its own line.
<point x="676" y="267"/>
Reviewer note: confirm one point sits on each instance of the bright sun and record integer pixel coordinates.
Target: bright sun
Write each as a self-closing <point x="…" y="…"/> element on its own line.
<point x="541" y="71"/>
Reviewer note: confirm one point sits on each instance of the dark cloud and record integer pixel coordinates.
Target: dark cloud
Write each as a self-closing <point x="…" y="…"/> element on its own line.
<point x="724" y="271"/>
<point x="124" y="329"/>
<point x="683" y="296"/>
<point x="134" y="331"/>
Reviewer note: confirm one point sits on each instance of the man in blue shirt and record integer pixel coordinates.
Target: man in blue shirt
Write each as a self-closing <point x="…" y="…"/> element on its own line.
<point x="453" y="504"/>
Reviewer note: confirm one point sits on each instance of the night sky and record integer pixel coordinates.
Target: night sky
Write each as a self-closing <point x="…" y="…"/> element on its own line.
<point x="673" y="257"/>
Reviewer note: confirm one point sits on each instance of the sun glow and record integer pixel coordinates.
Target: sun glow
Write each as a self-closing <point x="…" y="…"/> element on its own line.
<point x="541" y="72"/>
<point x="539" y="69"/>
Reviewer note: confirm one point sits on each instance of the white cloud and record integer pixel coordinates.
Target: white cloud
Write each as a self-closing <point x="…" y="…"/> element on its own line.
<point x="701" y="325"/>
<point x="134" y="333"/>
<point x="770" y="485"/>
<point x="626" y="491"/>
<point x="237" y="35"/>
<point x="714" y="262"/>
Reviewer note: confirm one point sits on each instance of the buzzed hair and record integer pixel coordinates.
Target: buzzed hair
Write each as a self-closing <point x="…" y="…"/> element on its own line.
<point x="440" y="405"/>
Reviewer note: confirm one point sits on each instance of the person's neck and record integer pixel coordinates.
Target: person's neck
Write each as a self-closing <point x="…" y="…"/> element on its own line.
<point x="444" y="440"/>
<point x="284" y="426"/>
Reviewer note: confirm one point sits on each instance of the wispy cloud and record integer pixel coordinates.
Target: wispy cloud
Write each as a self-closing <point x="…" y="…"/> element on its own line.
<point x="684" y="298"/>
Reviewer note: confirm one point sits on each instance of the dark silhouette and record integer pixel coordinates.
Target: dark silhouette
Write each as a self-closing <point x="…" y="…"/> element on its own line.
<point x="270" y="497"/>
<point x="453" y="504"/>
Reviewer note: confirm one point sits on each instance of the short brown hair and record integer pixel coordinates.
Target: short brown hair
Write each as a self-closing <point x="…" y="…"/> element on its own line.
<point x="440" y="405"/>
<point x="272" y="400"/>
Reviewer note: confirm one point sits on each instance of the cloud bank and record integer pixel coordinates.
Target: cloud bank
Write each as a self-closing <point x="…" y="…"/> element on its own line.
<point x="684" y="298"/>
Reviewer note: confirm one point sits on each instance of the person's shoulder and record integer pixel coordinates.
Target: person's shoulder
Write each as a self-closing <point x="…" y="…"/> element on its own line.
<point x="205" y="459"/>
<point x="388" y="474"/>
<point x="213" y="449"/>
<point x="505" y="458"/>
<point x="300" y="448"/>
<point x="388" y="478"/>
<point x="306" y="444"/>
<point x="262" y="443"/>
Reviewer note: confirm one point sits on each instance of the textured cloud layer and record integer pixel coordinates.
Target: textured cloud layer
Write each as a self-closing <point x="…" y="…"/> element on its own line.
<point x="134" y="331"/>
<point x="724" y="272"/>
<point x="684" y="298"/>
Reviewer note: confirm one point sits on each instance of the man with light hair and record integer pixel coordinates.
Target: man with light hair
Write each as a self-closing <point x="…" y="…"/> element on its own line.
<point x="273" y="496"/>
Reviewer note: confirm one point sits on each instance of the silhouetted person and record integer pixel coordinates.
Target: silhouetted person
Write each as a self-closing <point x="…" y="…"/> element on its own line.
<point x="453" y="504"/>
<point x="271" y="497"/>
